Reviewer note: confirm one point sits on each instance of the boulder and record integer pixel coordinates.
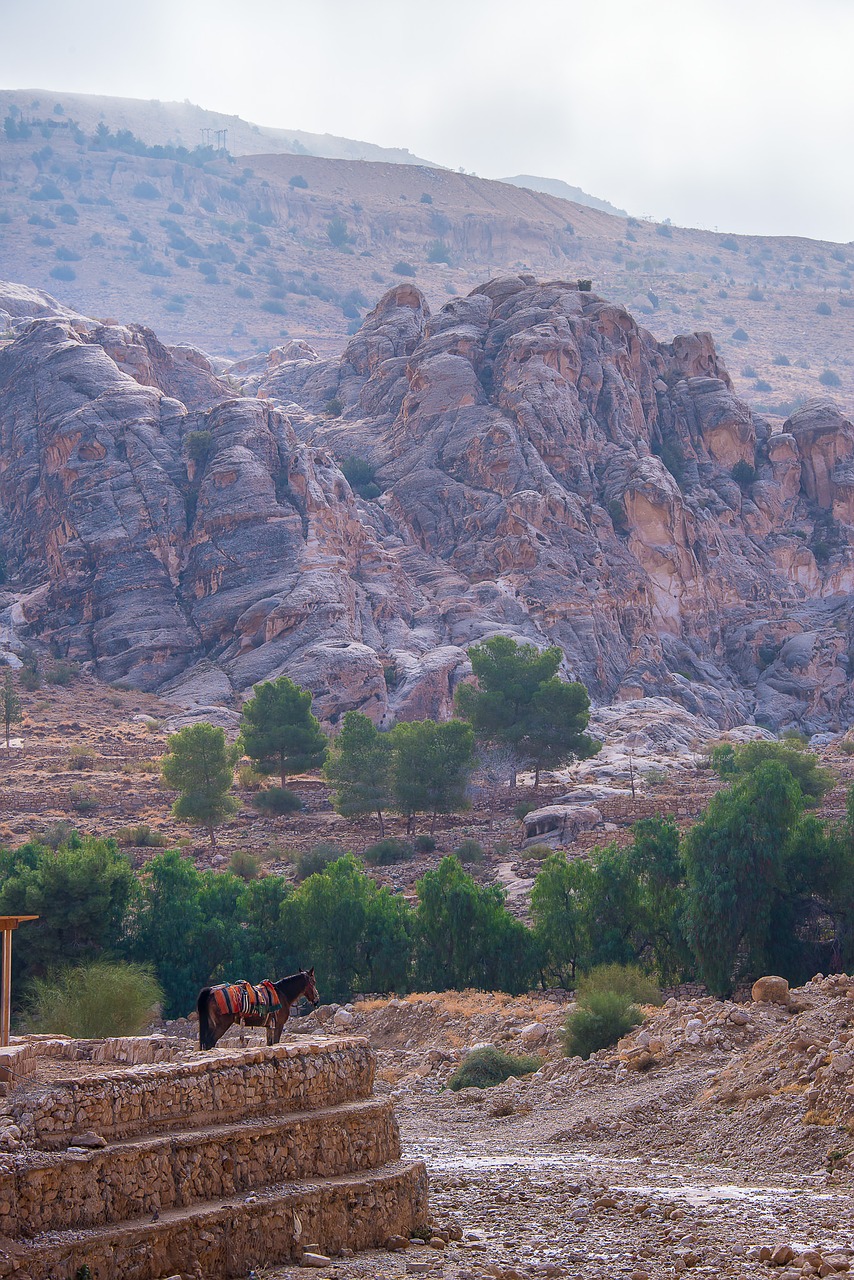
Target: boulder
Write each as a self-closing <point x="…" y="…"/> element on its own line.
<point x="771" y="990"/>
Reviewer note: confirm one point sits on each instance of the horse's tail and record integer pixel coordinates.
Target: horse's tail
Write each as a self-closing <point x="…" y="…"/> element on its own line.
<point x="206" y="1030"/>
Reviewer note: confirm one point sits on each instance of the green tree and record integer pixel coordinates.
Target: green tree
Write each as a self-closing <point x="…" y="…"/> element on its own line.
<point x="81" y="892"/>
<point x="430" y="768"/>
<point x="466" y="937"/>
<point x="359" y="769"/>
<point x="803" y="765"/>
<point x="519" y="701"/>
<point x="355" y="932"/>
<point x="559" y="909"/>
<point x="10" y="705"/>
<point x="200" y="766"/>
<point x="655" y="858"/>
<point x="735" y="863"/>
<point x="278" y="732"/>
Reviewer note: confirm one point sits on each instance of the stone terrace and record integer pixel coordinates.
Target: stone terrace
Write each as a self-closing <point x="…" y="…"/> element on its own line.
<point x="209" y="1166"/>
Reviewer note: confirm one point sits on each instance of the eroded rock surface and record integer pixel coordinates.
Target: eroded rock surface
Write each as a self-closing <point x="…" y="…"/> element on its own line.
<point x="548" y="470"/>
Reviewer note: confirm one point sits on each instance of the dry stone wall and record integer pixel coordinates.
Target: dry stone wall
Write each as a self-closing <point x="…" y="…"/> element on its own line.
<point x="208" y="1166"/>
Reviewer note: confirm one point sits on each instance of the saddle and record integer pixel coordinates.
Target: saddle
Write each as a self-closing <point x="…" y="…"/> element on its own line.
<point x="243" y="1000"/>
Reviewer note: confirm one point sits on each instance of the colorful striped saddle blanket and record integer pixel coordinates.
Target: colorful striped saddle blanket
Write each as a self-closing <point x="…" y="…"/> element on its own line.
<point x="242" y="1000"/>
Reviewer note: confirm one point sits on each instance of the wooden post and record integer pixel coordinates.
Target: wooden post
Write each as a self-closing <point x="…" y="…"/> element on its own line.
<point x="8" y="924"/>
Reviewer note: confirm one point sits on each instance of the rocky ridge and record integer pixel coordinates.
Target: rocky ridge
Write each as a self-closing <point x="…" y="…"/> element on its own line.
<point x="548" y="470"/>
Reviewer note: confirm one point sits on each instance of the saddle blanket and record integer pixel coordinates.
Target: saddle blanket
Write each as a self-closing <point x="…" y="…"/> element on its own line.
<point x="242" y="1000"/>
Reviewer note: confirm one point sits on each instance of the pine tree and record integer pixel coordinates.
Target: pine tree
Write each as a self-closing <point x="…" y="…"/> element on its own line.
<point x="10" y="705"/>
<point x="279" y="733"/>
<point x="200" y="766"/>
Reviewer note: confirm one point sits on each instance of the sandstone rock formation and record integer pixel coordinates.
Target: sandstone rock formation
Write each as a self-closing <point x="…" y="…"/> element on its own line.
<point x="548" y="471"/>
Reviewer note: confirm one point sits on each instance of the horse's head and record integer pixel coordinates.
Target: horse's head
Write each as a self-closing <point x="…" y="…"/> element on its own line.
<point x="310" y="992"/>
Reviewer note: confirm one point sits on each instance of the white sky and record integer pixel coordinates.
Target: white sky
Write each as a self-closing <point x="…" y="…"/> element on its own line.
<point x="735" y="114"/>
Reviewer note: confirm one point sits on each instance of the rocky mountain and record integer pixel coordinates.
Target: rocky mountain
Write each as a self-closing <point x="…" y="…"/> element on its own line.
<point x="238" y="255"/>
<point x="564" y="191"/>
<point x="543" y="468"/>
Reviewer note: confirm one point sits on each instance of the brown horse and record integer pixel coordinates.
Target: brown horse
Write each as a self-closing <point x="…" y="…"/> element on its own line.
<point x="213" y="1023"/>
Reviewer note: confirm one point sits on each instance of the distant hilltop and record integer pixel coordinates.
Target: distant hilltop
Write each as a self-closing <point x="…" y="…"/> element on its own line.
<point x="185" y="124"/>
<point x="564" y="191"/>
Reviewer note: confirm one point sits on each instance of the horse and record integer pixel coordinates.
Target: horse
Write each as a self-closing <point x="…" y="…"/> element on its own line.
<point x="267" y="1005"/>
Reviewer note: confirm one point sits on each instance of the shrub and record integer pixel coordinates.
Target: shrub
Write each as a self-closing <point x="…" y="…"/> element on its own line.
<point x="333" y="407"/>
<point x="65" y="254"/>
<point x="538" y="852"/>
<point x="740" y="336"/>
<point x="761" y="385"/>
<point x="749" y="372"/>
<point x="391" y="849"/>
<point x="100" y="999"/>
<point x="56" y="834"/>
<point x="336" y="230"/>
<point x="585" y="286"/>
<point x="426" y="198"/>
<point x="743" y="473"/>
<point x="600" y="1022"/>
<point x="488" y="1066"/>
<point x="28" y="677"/>
<point x="298" y="181"/>
<point x="61" y="673"/>
<point x="403" y="269"/>
<point x="249" y="776"/>
<point x="361" y="477"/>
<point x="438" y="251"/>
<point x="424" y="844"/>
<point x="83" y="800"/>
<point x="522" y="809"/>
<point x="198" y="445"/>
<point x="756" y="295"/>
<point x="244" y="864"/>
<point x="145" y="191"/>
<point x="829" y="378"/>
<point x="627" y="980"/>
<point x="730" y="243"/>
<point x="141" y="836"/>
<point x="780" y="359"/>
<point x="63" y="273"/>
<point x="470" y="851"/>
<point x="80" y="757"/>
<point x="823" y="309"/>
<point x="277" y="800"/>
<point x="311" y="861"/>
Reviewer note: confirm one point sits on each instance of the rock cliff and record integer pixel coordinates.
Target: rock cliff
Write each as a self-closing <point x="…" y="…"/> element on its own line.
<point x="547" y="470"/>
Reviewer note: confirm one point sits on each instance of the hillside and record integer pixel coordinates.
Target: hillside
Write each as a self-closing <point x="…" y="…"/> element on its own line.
<point x="236" y="255"/>
<point x="565" y="191"/>
<point x="186" y="124"/>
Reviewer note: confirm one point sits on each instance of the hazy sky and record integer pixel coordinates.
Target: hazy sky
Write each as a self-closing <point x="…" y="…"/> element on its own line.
<point x="735" y="114"/>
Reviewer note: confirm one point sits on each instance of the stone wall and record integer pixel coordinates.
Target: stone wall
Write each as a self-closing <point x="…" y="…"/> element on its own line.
<point x="208" y="1167"/>
<point x="210" y="1088"/>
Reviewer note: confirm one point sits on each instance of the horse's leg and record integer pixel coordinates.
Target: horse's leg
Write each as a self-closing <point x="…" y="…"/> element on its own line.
<point x="279" y="1024"/>
<point x="220" y="1027"/>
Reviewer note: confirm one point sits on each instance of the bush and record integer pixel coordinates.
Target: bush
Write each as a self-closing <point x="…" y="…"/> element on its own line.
<point x="438" y="251"/>
<point x="538" y="852"/>
<point x="333" y="408"/>
<point x="600" y="1022"/>
<point x="61" y="673"/>
<point x="470" y="851"/>
<point x="780" y="359"/>
<point x="391" y="849"/>
<point x="403" y="269"/>
<point x="361" y="477"/>
<point x="63" y="254"/>
<point x="823" y="309"/>
<point x="63" y="273"/>
<point x="829" y="378"/>
<point x="298" y="181"/>
<point x="146" y="191"/>
<point x="318" y="858"/>
<point x="522" y="809"/>
<point x="244" y="864"/>
<point x="488" y="1066"/>
<point x="141" y="836"/>
<point x="277" y="801"/>
<point x="83" y="800"/>
<point x="424" y="844"/>
<point x="80" y="757"/>
<point x="99" y="999"/>
<point x="626" y="979"/>
<point x="426" y="198"/>
<point x="740" y="336"/>
<point x="198" y="445"/>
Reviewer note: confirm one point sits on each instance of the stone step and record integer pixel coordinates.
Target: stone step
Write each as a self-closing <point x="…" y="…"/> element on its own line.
<point x="240" y="1084"/>
<point x="134" y="1178"/>
<point x="222" y="1239"/>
